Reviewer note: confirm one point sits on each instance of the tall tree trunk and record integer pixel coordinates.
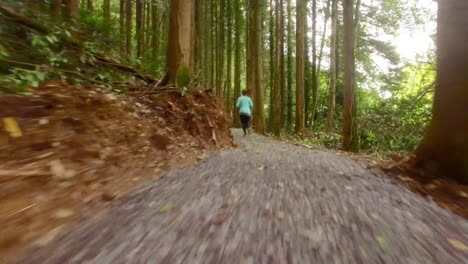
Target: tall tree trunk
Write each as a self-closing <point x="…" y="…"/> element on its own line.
<point x="122" y="26"/>
<point x="154" y="34"/>
<point x="300" y="41"/>
<point x="332" y="85"/>
<point x="220" y="49"/>
<point x="255" y="40"/>
<point x="444" y="149"/>
<point x="71" y="10"/>
<point x="129" y="28"/>
<point x="350" y="141"/>
<point x="213" y="44"/>
<point x="229" y="59"/>
<point x="56" y="8"/>
<point x="282" y="68"/>
<point x="289" y="102"/>
<point x="277" y="71"/>
<point x="181" y="37"/>
<point x="199" y="21"/>
<point x="315" y="77"/>
<point x="237" y="59"/>
<point x="140" y="18"/>
<point x="107" y="22"/>
<point x="272" y="65"/>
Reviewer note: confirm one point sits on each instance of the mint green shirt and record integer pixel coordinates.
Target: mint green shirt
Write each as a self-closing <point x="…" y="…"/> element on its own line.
<point x="244" y="103"/>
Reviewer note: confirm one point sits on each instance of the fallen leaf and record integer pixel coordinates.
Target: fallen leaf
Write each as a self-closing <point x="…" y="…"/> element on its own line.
<point x="12" y="127"/>
<point x="280" y="215"/>
<point x="349" y="188"/>
<point x="166" y="208"/>
<point x="280" y="184"/>
<point x="458" y="244"/>
<point x="261" y="168"/>
<point x="463" y="194"/>
<point x="63" y="213"/>
<point x="381" y="240"/>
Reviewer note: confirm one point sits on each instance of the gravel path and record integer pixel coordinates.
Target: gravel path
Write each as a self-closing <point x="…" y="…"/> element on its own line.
<point x="266" y="202"/>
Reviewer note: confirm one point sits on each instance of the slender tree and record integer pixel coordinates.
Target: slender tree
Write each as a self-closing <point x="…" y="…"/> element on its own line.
<point x="272" y="64"/>
<point x="228" y="94"/>
<point x="140" y="18"/>
<point x="350" y="139"/>
<point x="237" y="57"/>
<point x="277" y="69"/>
<point x="220" y="49"/>
<point x="444" y="149"/>
<point x="107" y="22"/>
<point x="122" y="26"/>
<point x="129" y="28"/>
<point x="332" y="85"/>
<point x="289" y="102"/>
<point x="315" y="79"/>
<point x="300" y="41"/>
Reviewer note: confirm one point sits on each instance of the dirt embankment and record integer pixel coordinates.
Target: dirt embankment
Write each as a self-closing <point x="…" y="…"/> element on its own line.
<point x="78" y="148"/>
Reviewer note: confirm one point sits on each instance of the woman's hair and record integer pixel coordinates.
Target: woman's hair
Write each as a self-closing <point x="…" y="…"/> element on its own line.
<point x="244" y="92"/>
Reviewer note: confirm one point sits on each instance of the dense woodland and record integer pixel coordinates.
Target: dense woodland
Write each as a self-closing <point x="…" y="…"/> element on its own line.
<point x="307" y="63"/>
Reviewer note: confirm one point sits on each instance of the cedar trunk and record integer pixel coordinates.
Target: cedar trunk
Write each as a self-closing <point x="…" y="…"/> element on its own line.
<point x="181" y="37"/>
<point x="300" y="41"/>
<point x="350" y="140"/>
<point x="277" y="69"/>
<point x="444" y="149"/>
<point x="332" y="85"/>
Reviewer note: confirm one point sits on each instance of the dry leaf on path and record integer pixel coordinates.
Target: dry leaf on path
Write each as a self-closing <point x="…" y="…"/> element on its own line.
<point x="12" y="127"/>
<point x="166" y="208"/>
<point x="458" y="244"/>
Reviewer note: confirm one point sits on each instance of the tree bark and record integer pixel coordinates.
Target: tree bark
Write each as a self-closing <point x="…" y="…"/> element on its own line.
<point x="332" y="85"/>
<point x="129" y="28"/>
<point x="181" y="37"/>
<point x="122" y="26"/>
<point x="314" y="66"/>
<point x="107" y="22"/>
<point x="255" y="40"/>
<point x="277" y="71"/>
<point x="272" y="66"/>
<point x="300" y="41"/>
<point x="71" y="10"/>
<point x="220" y="51"/>
<point x="282" y="68"/>
<point x="444" y="150"/>
<point x="237" y="59"/>
<point x="289" y="102"/>
<point x="140" y="18"/>
<point x="56" y="8"/>
<point x="229" y="59"/>
<point x="350" y="140"/>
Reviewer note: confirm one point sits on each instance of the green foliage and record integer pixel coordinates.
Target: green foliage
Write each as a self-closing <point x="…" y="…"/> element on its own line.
<point x="183" y="77"/>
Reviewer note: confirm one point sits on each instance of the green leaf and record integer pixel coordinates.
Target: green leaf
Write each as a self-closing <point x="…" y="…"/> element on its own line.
<point x="166" y="208"/>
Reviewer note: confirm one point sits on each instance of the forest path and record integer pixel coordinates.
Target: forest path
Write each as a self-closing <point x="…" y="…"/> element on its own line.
<point x="266" y="202"/>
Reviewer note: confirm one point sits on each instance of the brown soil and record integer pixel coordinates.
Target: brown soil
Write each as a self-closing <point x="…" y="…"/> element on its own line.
<point x="82" y="147"/>
<point x="446" y="193"/>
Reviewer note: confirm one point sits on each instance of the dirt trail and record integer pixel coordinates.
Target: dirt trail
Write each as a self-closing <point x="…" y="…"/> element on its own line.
<point x="266" y="202"/>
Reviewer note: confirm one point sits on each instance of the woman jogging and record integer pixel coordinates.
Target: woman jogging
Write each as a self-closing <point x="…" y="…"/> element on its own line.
<point x="245" y="104"/>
